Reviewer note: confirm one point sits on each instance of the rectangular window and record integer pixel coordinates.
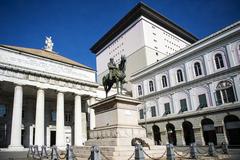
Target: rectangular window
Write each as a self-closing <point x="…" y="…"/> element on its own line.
<point x="183" y="103"/>
<point x="2" y="110"/>
<point x="141" y="114"/>
<point x="202" y="101"/>
<point x="153" y="111"/>
<point x="167" y="108"/>
<point x="53" y="116"/>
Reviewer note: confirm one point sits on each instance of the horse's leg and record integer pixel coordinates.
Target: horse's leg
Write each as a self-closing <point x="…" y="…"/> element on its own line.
<point x="121" y="87"/>
<point x="117" y="86"/>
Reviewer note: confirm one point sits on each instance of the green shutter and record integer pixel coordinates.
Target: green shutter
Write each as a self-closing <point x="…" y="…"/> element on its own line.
<point x="202" y="100"/>
<point x="183" y="103"/>
<point x="167" y="108"/>
<point x="153" y="111"/>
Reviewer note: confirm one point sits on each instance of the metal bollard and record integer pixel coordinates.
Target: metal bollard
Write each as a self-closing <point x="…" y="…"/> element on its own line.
<point x="54" y="154"/>
<point x="139" y="152"/>
<point x="30" y="151"/>
<point x="95" y="153"/>
<point x="44" y="152"/>
<point x="36" y="151"/>
<point x="170" y="152"/>
<point x="193" y="150"/>
<point x="70" y="155"/>
<point x="225" y="148"/>
<point x="211" y="149"/>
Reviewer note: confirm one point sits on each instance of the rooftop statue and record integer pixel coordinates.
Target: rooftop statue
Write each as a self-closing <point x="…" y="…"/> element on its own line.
<point x="48" y="44"/>
<point x="115" y="75"/>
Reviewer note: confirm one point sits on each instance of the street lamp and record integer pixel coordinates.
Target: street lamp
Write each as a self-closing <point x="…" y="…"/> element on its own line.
<point x="145" y="110"/>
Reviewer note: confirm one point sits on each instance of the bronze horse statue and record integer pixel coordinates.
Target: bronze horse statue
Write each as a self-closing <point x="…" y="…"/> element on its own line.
<point x="117" y="77"/>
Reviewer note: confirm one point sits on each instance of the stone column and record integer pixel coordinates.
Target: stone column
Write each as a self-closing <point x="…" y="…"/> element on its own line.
<point x="60" y="133"/>
<point x="92" y="114"/>
<point x="78" y="121"/>
<point x="39" y="120"/>
<point x="16" y="131"/>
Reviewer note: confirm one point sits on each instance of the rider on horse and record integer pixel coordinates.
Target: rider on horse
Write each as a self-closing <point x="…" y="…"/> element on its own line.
<point x="112" y="69"/>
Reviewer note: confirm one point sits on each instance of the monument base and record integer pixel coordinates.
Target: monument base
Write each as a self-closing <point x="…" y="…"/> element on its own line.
<point x="116" y="127"/>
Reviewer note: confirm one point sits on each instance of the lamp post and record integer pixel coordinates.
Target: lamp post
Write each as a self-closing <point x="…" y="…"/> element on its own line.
<point x="145" y="110"/>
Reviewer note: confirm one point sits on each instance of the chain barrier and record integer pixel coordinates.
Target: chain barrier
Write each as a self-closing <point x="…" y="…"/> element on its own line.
<point x="89" y="157"/>
<point x="149" y="156"/>
<point x="164" y="153"/>
<point x="203" y="153"/>
<point x="180" y="150"/>
<point x="131" y="156"/>
<point x="61" y="157"/>
<point x="104" y="156"/>
<point x="220" y="152"/>
<point x="35" y="153"/>
<point x="201" y="148"/>
<point x="181" y="156"/>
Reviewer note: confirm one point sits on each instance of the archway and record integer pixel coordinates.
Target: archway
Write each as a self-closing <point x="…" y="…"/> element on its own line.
<point x="156" y="135"/>
<point x="232" y="126"/>
<point x="171" y="134"/>
<point x="209" y="133"/>
<point x="188" y="132"/>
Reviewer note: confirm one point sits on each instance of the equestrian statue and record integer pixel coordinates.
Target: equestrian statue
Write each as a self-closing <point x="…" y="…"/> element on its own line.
<point x="115" y="75"/>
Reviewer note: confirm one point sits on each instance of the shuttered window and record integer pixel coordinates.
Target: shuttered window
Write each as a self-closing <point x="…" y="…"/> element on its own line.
<point x="202" y="101"/>
<point x="153" y="111"/>
<point x="167" y="108"/>
<point x="183" y="103"/>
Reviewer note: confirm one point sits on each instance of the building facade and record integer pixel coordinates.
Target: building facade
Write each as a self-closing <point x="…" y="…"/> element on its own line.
<point x="44" y="98"/>
<point x="144" y="37"/>
<point x="193" y="95"/>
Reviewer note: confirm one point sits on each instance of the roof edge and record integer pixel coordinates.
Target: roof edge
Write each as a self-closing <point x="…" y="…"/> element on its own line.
<point x="141" y="9"/>
<point x="19" y="50"/>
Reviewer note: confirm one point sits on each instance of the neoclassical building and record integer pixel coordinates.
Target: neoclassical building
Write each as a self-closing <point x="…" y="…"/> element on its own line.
<point x="193" y="95"/>
<point x="144" y="36"/>
<point x="44" y="98"/>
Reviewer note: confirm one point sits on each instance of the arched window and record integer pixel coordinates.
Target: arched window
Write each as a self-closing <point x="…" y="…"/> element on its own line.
<point x="179" y="75"/>
<point x="140" y="90"/>
<point x="151" y="87"/>
<point x="219" y="61"/>
<point x="164" y="81"/>
<point x="225" y="92"/>
<point x="197" y="69"/>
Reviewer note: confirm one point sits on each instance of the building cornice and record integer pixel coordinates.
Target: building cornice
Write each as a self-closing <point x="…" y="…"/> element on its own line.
<point x="16" y="70"/>
<point x="141" y="10"/>
<point x="189" y="114"/>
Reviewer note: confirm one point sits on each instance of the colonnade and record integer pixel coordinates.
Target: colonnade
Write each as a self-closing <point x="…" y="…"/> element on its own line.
<point x="15" y="142"/>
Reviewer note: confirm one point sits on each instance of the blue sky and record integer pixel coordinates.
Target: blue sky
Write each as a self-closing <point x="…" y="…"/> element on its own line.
<point x="75" y="25"/>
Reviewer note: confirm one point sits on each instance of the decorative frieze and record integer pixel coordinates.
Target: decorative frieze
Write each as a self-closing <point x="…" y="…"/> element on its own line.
<point x="44" y="79"/>
<point x="45" y="66"/>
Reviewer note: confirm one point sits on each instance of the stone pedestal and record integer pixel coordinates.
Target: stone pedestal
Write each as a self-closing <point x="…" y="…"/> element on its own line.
<point x="116" y="126"/>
